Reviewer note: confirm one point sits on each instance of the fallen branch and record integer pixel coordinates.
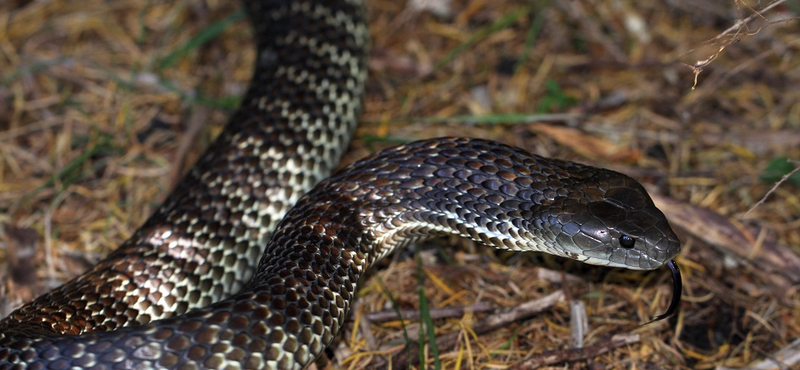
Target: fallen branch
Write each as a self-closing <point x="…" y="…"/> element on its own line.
<point x="436" y="313"/>
<point x="401" y="360"/>
<point x="576" y="354"/>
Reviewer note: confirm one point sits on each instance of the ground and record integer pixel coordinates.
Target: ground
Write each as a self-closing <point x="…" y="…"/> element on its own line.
<point x="103" y="104"/>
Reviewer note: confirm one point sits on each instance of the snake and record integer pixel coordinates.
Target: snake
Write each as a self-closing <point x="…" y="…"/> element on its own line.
<point x="254" y="260"/>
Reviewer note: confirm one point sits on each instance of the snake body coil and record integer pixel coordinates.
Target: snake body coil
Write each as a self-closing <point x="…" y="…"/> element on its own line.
<point x="181" y="293"/>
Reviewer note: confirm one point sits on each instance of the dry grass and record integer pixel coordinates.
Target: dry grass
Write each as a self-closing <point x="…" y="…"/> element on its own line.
<point x="97" y="97"/>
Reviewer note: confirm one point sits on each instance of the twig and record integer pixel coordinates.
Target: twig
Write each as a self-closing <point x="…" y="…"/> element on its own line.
<point x="772" y="190"/>
<point x="401" y="359"/>
<point x="698" y="66"/>
<point x="364" y="328"/>
<point x="742" y="22"/>
<point x="578" y="323"/>
<point x="576" y="354"/>
<point x="785" y="358"/>
<point x="436" y="313"/>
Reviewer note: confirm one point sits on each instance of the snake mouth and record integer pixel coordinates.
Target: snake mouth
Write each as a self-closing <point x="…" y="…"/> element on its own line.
<point x="677" y="288"/>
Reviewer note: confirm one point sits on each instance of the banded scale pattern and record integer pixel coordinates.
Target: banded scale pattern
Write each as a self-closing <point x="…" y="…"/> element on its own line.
<point x="309" y="273"/>
<point x="203" y="243"/>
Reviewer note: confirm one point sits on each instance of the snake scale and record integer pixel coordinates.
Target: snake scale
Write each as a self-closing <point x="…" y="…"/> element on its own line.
<point x="185" y="291"/>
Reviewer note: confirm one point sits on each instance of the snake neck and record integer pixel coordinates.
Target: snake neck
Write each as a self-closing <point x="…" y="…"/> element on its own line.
<point x="393" y="199"/>
<point x="496" y="195"/>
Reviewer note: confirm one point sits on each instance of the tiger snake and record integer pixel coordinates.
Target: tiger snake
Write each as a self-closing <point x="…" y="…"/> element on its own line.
<point x="188" y="290"/>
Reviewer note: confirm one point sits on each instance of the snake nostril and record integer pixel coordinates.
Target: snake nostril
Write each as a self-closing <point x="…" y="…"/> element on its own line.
<point x="627" y="241"/>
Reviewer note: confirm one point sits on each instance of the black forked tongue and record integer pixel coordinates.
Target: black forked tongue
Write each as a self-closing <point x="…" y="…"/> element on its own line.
<point x="677" y="287"/>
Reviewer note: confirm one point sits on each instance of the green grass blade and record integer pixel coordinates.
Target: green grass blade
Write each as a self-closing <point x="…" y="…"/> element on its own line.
<point x="200" y="39"/>
<point x="425" y="316"/>
<point x="530" y="39"/>
<point x="481" y="34"/>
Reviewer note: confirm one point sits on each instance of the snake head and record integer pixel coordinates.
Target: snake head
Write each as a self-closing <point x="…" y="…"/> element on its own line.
<point x="613" y="224"/>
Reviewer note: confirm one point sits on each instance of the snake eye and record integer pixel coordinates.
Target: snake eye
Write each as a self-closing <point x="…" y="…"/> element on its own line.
<point x="626" y="241"/>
